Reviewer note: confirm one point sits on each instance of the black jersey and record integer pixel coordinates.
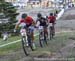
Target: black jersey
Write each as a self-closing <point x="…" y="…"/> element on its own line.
<point x="42" y="21"/>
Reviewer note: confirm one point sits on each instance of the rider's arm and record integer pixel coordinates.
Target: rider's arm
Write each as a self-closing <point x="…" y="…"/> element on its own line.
<point x="34" y="23"/>
<point x="37" y="23"/>
<point x="48" y="20"/>
<point x="17" y="25"/>
<point x="54" y="19"/>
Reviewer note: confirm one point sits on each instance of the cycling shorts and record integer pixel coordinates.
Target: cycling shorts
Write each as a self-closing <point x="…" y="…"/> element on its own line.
<point x="31" y="28"/>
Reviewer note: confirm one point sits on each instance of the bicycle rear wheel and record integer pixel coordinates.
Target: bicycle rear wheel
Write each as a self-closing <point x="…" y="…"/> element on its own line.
<point x="51" y="33"/>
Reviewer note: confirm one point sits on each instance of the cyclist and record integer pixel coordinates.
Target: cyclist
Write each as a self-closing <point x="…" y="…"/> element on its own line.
<point x="52" y="19"/>
<point x="56" y="12"/>
<point x="42" y="22"/>
<point x="27" y="21"/>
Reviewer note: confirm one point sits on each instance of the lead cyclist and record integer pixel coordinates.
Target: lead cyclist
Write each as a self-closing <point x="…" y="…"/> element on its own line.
<point x="27" y="22"/>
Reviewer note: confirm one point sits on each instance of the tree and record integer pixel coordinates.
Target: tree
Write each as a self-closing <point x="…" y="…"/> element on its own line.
<point x="9" y="11"/>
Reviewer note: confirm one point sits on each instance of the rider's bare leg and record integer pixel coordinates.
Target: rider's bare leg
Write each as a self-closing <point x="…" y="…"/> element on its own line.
<point x="33" y="43"/>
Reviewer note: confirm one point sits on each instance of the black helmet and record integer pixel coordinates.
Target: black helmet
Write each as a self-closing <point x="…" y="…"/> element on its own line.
<point x="39" y="15"/>
<point x="46" y="16"/>
<point x="51" y="14"/>
<point x="24" y="15"/>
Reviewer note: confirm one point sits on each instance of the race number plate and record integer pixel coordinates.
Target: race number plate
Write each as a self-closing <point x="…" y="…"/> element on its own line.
<point x="50" y="24"/>
<point x="38" y="23"/>
<point x="23" y="32"/>
<point x="40" y="27"/>
<point x="22" y="25"/>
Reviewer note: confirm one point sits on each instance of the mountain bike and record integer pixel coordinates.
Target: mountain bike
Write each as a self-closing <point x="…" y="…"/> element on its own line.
<point x="42" y="36"/>
<point x="51" y="30"/>
<point x="26" y="40"/>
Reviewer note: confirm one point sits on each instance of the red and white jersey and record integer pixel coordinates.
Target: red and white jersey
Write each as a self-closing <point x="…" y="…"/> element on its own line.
<point x="27" y="20"/>
<point x="51" y="19"/>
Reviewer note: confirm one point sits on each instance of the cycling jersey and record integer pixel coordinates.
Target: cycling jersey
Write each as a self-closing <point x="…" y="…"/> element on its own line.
<point x="51" y="19"/>
<point x="28" y="21"/>
<point x="42" y="21"/>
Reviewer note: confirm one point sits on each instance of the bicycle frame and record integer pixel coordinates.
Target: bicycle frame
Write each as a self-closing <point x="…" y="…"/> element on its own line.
<point x="26" y="39"/>
<point x="51" y="30"/>
<point x="42" y="36"/>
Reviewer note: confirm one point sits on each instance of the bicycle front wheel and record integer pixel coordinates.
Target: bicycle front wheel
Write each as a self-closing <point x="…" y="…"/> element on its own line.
<point x="45" y="38"/>
<point x="24" y="46"/>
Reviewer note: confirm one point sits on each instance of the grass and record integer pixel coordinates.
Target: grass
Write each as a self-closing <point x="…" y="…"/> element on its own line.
<point x="54" y="45"/>
<point x="10" y="39"/>
<point x="10" y="48"/>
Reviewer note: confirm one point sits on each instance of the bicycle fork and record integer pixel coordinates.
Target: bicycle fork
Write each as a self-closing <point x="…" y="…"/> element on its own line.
<point x="30" y="42"/>
<point x="42" y="39"/>
<point x="45" y="38"/>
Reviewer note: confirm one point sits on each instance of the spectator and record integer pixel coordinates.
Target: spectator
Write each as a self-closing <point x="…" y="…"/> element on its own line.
<point x="5" y="36"/>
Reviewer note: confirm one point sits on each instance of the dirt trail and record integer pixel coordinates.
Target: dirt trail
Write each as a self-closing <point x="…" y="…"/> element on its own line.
<point x="67" y="22"/>
<point x="64" y="52"/>
<point x="69" y="15"/>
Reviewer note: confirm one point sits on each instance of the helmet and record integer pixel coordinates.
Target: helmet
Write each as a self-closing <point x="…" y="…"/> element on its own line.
<point x="56" y="12"/>
<point x="24" y="15"/>
<point x="46" y="16"/>
<point x="39" y="15"/>
<point x="51" y="14"/>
